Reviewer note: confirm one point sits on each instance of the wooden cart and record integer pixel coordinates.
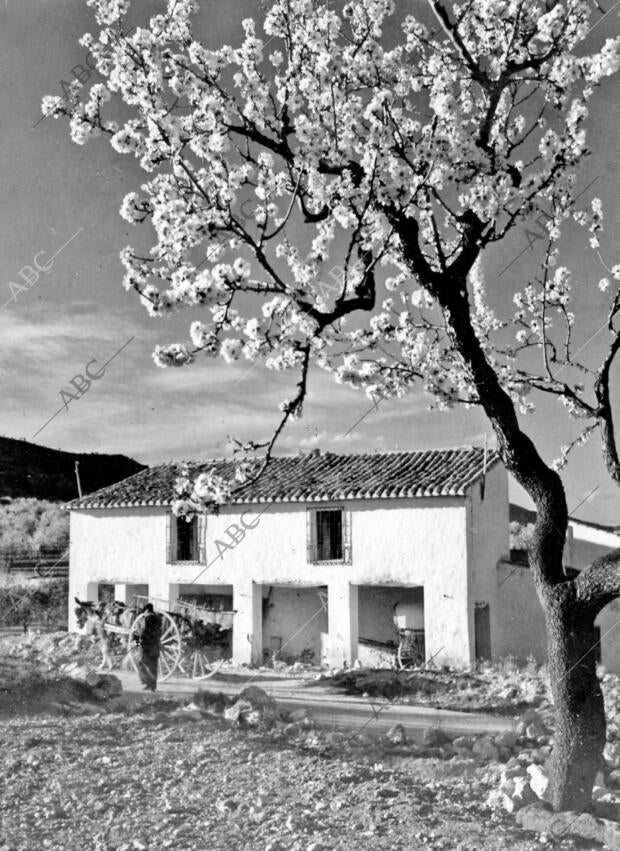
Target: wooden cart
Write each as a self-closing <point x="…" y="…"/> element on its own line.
<point x="195" y="640"/>
<point x="205" y="635"/>
<point x="170" y="641"/>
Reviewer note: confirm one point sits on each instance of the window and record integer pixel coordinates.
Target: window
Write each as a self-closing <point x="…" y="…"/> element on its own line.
<point x="328" y="535"/>
<point x="185" y="539"/>
<point x="482" y="632"/>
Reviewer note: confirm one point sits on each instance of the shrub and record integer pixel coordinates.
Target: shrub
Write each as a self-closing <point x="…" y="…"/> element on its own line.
<point x="32" y="527"/>
<point x="44" y="601"/>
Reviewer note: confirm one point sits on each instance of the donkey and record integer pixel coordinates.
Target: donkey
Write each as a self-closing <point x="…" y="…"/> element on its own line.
<point x="94" y="627"/>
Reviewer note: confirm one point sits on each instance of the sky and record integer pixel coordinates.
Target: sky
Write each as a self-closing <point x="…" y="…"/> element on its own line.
<point x="61" y="201"/>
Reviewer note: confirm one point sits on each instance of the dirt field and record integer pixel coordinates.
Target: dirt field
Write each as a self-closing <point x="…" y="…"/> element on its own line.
<point x="79" y="774"/>
<point x="157" y="780"/>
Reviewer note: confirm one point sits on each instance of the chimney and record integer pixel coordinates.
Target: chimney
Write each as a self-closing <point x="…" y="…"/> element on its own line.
<point x="311" y="453"/>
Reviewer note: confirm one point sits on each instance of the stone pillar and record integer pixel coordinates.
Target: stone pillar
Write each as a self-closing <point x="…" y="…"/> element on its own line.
<point x="248" y="623"/>
<point x="163" y="593"/>
<point x="174" y="589"/>
<point x="342" y="617"/>
<point x="124" y="592"/>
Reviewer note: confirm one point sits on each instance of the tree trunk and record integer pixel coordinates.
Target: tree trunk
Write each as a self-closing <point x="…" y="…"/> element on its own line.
<point x="578" y="700"/>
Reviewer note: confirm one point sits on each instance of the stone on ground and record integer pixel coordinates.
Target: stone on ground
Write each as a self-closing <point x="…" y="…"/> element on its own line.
<point x="242" y="712"/>
<point x="506" y="739"/>
<point x="514" y="794"/>
<point x="464" y="744"/>
<point x="396" y="735"/>
<point x="540" y="818"/>
<point x="434" y="736"/>
<point x="539" y="780"/>
<point x="611" y="754"/>
<point x="484" y="748"/>
<point x="79" y="672"/>
<point x="263" y="705"/>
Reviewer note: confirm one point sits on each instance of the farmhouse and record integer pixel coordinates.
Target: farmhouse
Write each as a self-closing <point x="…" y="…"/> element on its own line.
<point x="325" y="555"/>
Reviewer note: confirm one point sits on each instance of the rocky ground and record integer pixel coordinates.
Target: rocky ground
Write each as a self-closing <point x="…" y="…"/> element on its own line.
<point x="504" y="689"/>
<point x="86" y="768"/>
<point x="164" y="777"/>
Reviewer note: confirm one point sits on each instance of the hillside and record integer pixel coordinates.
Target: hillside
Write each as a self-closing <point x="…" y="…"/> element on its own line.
<point x="29" y="470"/>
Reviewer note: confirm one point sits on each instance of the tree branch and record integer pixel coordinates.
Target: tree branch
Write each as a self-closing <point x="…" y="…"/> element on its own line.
<point x="599" y="584"/>
<point x="515" y="447"/>
<point x="452" y="31"/>
<point x="605" y="414"/>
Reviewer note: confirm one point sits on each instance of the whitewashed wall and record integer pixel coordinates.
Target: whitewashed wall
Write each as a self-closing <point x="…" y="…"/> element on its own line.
<point x="296" y="616"/>
<point x="609" y="623"/>
<point x="488" y="542"/>
<point x="586" y="543"/>
<point x="409" y="542"/>
<point x="524" y="624"/>
<point x="520" y="617"/>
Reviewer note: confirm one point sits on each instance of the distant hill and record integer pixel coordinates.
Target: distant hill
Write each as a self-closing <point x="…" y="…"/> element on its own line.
<point x="29" y="470"/>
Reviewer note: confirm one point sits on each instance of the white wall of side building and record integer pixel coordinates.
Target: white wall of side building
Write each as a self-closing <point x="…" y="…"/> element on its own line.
<point x="488" y="542"/>
<point x="585" y="544"/>
<point x="517" y="620"/>
<point x="522" y="633"/>
<point x="519" y="609"/>
<point x="609" y="624"/>
<point x="409" y="542"/>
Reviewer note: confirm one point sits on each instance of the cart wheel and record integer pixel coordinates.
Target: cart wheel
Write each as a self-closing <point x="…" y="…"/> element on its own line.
<point x="406" y="655"/>
<point x="410" y="652"/>
<point x="402" y="656"/>
<point x="169" y="644"/>
<point x="204" y="668"/>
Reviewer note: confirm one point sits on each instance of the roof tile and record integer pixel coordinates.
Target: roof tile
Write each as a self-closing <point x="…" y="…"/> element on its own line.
<point x="315" y="477"/>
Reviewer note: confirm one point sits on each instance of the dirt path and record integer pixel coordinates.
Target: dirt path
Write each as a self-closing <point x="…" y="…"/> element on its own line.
<point x="77" y="775"/>
<point x="329" y="708"/>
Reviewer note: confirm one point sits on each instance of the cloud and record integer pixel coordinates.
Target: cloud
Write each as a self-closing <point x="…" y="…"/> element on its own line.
<point x="154" y="414"/>
<point x="42" y="336"/>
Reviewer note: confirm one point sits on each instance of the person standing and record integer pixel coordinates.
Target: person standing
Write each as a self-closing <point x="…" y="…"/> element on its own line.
<point x="149" y="648"/>
<point x="99" y="632"/>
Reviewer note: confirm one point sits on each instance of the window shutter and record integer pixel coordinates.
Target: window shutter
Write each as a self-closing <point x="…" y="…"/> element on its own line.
<point x="202" y="538"/>
<point x="347" y="555"/>
<point x="311" y="535"/>
<point x="171" y="538"/>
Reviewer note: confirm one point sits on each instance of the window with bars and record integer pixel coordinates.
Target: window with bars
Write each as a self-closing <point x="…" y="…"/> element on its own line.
<point x="329" y="535"/>
<point x="185" y="539"/>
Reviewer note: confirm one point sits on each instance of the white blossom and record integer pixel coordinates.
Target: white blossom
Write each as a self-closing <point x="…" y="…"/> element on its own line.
<point x="285" y="189"/>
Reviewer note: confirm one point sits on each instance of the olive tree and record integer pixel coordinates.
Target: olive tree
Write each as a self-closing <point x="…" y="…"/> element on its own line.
<point x="402" y="142"/>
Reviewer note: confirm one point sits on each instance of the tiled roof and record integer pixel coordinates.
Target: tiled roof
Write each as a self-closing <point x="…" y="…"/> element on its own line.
<point x="315" y="477"/>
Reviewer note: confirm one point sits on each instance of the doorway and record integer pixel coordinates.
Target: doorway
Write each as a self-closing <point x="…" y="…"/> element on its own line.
<point x="482" y="632"/>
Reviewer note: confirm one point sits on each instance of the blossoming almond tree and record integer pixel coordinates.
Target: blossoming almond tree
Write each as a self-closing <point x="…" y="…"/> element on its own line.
<point x="404" y="147"/>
